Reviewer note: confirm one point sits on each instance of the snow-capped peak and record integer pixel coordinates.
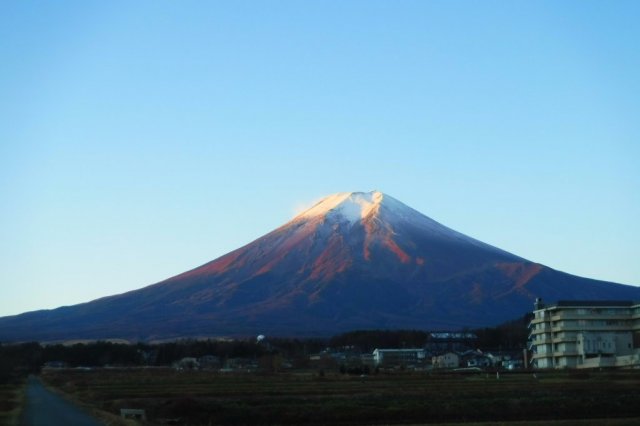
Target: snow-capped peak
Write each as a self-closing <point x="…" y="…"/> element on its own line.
<point x="352" y="206"/>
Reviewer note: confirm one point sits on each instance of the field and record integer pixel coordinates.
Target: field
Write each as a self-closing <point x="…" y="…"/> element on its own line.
<point x="400" y="398"/>
<point x="11" y="398"/>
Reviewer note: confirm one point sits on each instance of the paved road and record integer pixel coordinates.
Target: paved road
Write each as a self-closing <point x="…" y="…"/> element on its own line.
<point x="45" y="408"/>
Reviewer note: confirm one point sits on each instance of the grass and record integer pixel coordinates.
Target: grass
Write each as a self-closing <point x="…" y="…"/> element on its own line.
<point x="399" y="398"/>
<point x="11" y="401"/>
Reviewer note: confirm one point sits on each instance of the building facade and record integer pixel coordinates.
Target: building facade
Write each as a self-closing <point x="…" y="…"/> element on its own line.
<point x="446" y="360"/>
<point x="585" y="334"/>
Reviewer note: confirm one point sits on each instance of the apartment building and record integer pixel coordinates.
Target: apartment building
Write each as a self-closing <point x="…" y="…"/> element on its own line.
<point x="585" y="334"/>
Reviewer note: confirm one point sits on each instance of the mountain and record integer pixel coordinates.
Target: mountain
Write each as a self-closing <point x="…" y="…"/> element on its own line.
<point x="352" y="261"/>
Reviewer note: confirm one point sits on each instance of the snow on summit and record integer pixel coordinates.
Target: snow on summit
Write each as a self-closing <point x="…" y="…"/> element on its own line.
<point x="352" y="206"/>
<point x="357" y="206"/>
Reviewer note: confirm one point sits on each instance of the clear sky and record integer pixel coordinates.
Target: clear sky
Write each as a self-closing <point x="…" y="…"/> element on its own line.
<point x="141" y="139"/>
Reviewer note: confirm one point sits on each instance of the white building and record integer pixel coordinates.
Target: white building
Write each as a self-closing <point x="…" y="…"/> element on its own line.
<point x="446" y="360"/>
<point x="398" y="356"/>
<point x="585" y="334"/>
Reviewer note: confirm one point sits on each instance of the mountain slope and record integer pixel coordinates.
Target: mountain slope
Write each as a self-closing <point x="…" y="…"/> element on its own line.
<point x="354" y="260"/>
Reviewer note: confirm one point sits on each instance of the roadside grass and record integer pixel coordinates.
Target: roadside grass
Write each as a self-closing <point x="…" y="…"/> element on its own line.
<point x="559" y="398"/>
<point x="11" y="401"/>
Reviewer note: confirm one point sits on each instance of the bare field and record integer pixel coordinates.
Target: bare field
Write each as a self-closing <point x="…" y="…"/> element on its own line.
<point x="400" y="398"/>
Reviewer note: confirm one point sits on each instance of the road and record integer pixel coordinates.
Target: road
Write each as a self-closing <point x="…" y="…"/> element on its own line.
<point x="45" y="408"/>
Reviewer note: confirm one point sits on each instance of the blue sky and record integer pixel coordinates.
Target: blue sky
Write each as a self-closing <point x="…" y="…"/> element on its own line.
<point x="142" y="139"/>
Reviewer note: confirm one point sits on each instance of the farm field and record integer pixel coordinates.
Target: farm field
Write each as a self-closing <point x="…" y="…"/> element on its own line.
<point x="192" y="397"/>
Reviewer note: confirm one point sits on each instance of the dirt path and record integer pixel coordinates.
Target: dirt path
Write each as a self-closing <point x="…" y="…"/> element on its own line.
<point x="44" y="408"/>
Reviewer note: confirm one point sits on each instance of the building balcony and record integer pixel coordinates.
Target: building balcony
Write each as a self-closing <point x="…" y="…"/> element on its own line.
<point x="546" y="329"/>
<point x="535" y="335"/>
<point x="541" y="355"/>
<point x="542" y="341"/>
<point x="564" y="339"/>
<point x="586" y="328"/>
<point x="590" y="315"/>
<point x="558" y="354"/>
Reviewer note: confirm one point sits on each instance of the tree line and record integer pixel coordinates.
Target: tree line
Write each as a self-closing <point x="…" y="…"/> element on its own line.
<point x="21" y="359"/>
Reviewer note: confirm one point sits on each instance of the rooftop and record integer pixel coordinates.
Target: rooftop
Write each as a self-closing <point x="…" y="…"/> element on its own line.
<point x="594" y="303"/>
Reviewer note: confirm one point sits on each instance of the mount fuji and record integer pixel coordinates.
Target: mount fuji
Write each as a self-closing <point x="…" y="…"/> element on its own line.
<point x="352" y="261"/>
